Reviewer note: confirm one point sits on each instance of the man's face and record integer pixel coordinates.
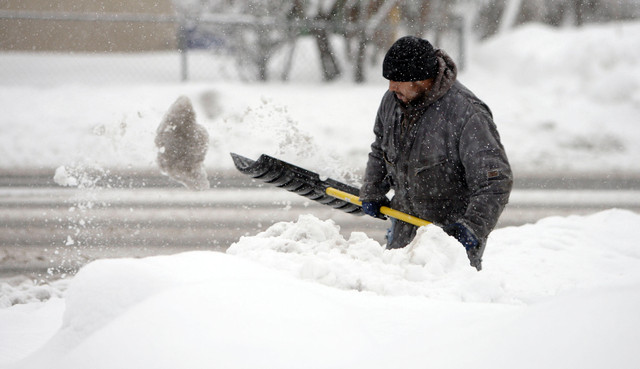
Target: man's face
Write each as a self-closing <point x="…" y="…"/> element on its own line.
<point x="410" y="91"/>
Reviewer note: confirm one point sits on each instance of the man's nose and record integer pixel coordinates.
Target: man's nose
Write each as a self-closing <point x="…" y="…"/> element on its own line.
<point x="393" y="86"/>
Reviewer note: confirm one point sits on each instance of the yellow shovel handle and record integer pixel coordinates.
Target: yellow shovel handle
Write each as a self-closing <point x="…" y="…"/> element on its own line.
<point x="384" y="210"/>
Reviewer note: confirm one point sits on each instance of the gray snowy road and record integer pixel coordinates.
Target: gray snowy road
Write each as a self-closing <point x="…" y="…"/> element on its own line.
<point x="47" y="231"/>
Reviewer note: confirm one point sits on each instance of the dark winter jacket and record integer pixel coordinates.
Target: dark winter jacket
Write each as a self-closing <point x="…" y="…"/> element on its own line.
<point x="442" y="157"/>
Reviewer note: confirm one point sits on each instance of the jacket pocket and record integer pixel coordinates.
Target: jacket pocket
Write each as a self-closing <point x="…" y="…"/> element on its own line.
<point x="436" y="178"/>
<point x="431" y="162"/>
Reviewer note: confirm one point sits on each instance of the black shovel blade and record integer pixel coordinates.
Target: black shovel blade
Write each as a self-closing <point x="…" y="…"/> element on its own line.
<point x="297" y="180"/>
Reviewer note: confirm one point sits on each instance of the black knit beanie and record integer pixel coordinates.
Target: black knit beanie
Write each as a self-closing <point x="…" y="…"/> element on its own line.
<point x="410" y="59"/>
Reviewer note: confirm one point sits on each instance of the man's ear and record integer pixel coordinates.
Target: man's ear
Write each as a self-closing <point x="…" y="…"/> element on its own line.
<point x="425" y="84"/>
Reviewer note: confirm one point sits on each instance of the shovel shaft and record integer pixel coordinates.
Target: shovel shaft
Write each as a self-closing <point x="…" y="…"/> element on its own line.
<point x="384" y="210"/>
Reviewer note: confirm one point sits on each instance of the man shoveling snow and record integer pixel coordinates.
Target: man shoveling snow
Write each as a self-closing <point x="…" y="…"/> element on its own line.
<point x="445" y="162"/>
<point x="439" y="150"/>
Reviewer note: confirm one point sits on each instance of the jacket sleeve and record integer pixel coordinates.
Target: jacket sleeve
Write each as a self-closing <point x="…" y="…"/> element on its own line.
<point x="375" y="185"/>
<point x="487" y="171"/>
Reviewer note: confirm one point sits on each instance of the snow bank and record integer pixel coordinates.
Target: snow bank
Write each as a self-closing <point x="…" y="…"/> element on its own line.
<point x="27" y="327"/>
<point x="315" y="250"/>
<point x="523" y="264"/>
<point x="200" y="309"/>
<point x="598" y="61"/>
<point x="21" y="290"/>
<point x="573" y="93"/>
<point x="300" y="295"/>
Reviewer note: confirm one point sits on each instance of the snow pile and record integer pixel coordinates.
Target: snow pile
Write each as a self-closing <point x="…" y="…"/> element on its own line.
<point x="21" y="290"/>
<point x="568" y="287"/>
<point x="313" y="249"/>
<point x="561" y="254"/>
<point x="197" y="310"/>
<point x="598" y="61"/>
<point x="574" y="93"/>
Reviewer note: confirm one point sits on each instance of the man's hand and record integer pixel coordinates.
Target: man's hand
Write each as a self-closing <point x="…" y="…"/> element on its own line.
<point x="372" y="208"/>
<point x="468" y="240"/>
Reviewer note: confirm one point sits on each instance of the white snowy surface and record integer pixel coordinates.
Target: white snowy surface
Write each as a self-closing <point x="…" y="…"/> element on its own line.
<point x="561" y="293"/>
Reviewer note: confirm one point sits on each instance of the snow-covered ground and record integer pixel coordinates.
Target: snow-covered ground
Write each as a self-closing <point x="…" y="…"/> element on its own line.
<point x="561" y="293"/>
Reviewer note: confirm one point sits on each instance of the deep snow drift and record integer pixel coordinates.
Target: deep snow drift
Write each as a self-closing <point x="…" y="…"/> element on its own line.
<point x="560" y="293"/>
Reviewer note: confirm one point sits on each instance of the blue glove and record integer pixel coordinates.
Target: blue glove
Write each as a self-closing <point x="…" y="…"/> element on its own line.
<point x="372" y="208"/>
<point x="462" y="234"/>
<point x="468" y="240"/>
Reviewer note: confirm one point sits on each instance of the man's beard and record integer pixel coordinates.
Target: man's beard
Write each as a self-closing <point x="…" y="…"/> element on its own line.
<point x="416" y="100"/>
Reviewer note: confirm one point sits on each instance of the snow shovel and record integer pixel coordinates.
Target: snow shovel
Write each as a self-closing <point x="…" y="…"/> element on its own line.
<point x="308" y="184"/>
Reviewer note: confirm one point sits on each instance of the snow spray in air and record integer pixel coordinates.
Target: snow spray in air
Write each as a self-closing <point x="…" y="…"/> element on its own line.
<point x="182" y="146"/>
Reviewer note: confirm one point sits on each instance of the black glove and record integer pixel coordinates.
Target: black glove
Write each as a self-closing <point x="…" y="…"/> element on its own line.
<point x="372" y="208"/>
<point x="468" y="240"/>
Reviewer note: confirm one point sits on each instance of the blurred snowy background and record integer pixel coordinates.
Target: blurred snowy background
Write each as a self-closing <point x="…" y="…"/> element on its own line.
<point x="565" y="98"/>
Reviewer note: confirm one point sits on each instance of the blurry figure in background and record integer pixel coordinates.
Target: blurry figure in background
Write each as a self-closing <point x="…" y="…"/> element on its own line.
<point x="437" y="147"/>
